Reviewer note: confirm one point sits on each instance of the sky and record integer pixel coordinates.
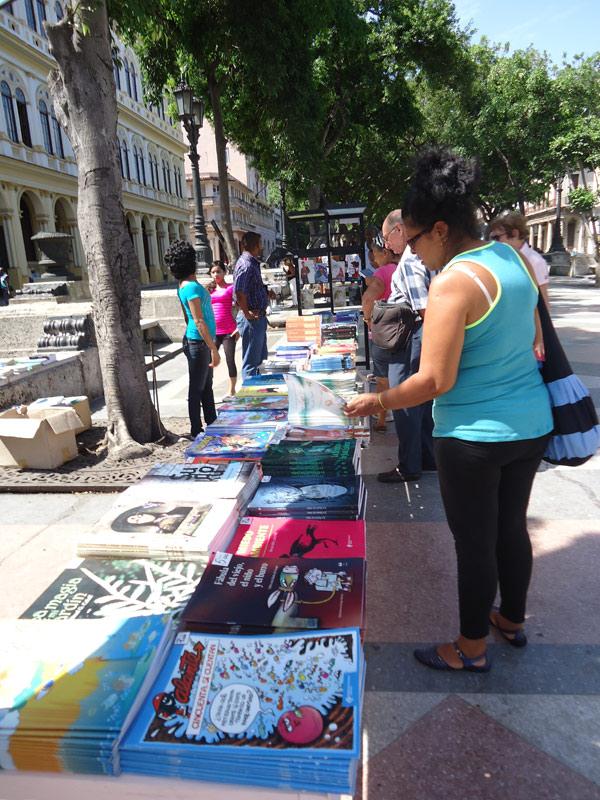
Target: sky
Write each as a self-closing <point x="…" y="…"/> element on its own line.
<point x="556" y="26"/>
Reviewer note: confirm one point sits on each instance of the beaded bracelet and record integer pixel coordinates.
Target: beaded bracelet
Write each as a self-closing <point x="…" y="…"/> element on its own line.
<point x="381" y="402"/>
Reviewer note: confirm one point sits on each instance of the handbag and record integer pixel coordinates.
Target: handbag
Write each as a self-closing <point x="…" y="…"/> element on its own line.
<point x="392" y="324"/>
<point x="576" y="434"/>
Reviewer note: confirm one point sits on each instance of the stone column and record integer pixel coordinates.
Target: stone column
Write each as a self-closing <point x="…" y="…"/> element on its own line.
<point x="548" y="236"/>
<point x="153" y="268"/>
<point x="17" y="258"/>
<point x="138" y="244"/>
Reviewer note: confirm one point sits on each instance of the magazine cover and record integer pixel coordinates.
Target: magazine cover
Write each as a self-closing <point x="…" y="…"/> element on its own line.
<point x="321" y="272"/>
<point x="276" y="693"/>
<point x="299" y="538"/>
<point x="277" y="593"/>
<point x="103" y="587"/>
<point x="338" y="269"/>
<point x="262" y="402"/>
<point x="353" y="267"/>
<point x="258" y="417"/>
<point x="311" y="403"/>
<point x="307" y="271"/>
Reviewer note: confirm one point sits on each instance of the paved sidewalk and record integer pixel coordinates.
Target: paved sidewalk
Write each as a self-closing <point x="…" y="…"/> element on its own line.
<point x="529" y="730"/>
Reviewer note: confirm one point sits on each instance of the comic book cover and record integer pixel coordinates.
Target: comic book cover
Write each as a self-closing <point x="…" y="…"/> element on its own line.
<point x="101" y="587"/>
<point x="280" y="695"/>
<point x="277" y="593"/>
<point x="299" y="538"/>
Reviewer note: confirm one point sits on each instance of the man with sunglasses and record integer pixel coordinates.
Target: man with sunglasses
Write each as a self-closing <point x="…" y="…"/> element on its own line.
<point x="414" y="426"/>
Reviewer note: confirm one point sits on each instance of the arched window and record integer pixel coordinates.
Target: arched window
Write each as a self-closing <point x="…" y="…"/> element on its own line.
<point x="58" y="10"/>
<point x="156" y="175"/>
<point x="23" y="118"/>
<point x="120" y="159"/>
<point x="152" y="181"/>
<point x="136" y="162"/>
<point x="133" y="81"/>
<point x="142" y="166"/>
<point x="46" y="127"/>
<point x="41" y="9"/>
<point x="170" y="189"/>
<point x="164" y="172"/>
<point x="127" y="78"/>
<point x="30" y="14"/>
<point x="57" y="136"/>
<point x="125" y="157"/>
<point x="9" y="111"/>
<point x="117" y="74"/>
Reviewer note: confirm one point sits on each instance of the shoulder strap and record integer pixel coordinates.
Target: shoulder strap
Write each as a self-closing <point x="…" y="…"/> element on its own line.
<point x="472" y="274"/>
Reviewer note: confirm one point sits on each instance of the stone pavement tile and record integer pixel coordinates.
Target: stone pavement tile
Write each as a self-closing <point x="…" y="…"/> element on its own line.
<point x="536" y="670"/>
<point x="565" y="727"/>
<point x="563" y="494"/>
<point x="32" y="561"/>
<point x="564" y="600"/>
<point x="387" y="715"/>
<point x="411" y="593"/>
<point x="457" y="751"/>
<point x="417" y="501"/>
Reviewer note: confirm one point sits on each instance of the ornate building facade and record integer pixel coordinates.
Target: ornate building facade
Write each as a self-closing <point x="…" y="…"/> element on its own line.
<point x="250" y="209"/>
<point x="576" y="232"/>
<point x="38" y="174"/>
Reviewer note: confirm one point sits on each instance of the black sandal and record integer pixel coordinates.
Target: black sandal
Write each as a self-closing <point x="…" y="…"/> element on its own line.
<point x="430" y="657"/>
<point x="516" y="638"/>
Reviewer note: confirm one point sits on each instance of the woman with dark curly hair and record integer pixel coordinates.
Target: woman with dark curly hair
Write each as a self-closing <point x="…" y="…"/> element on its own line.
<point x="492" y="411"/>
<point x="199" y="339"/>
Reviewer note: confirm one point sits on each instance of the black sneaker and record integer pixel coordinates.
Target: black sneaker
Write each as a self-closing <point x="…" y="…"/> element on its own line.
<point x="396" y="476"/>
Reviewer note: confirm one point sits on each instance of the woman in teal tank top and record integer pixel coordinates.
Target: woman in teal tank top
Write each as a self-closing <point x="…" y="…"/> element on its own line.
<point x="492" y="412"/>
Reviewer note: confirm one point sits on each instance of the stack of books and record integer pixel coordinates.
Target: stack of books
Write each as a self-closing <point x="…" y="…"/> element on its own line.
<point x="338" y="330"/>
<point x="174" y="527"/>
<point x="331" y="362"/>
<point x="228" y="480"/>
<point x="318" y="410"/>
<point x="313" y="458"/>
<point x="304" y="329"/>
<point x="263" y="418"/>
<point x="68" y="687"/>
<point x="276" y="388"/>
<point x="342" y="383"/>
<point x="277" y="711"/>
<point x="309" y="497"/>
<point x="262" y="402"/>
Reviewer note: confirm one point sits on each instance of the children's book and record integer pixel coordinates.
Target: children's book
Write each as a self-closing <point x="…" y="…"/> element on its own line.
<point x="66" y="688"/>
<point x="277" y="593"/>
<point x="299" y="538"/>
<point x="101" y="587"/>
<point x="247" y="445"/>
<point x="256" y="703"/>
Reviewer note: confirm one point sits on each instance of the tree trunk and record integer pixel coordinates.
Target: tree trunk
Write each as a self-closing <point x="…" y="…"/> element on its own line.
<point x="315" y="196"/>
<point x="592" y="220"/>
<point x="221" y="146"/>
<point x="84" y="97"/>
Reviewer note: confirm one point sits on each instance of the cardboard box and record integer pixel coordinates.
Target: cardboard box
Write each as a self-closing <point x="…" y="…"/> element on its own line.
<point x="80" y="405"/>
<point x="43" y="442"/>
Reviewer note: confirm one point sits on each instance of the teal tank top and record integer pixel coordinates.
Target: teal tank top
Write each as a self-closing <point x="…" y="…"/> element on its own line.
<point x="499" y="395"/>
<point x="185" y="294"/>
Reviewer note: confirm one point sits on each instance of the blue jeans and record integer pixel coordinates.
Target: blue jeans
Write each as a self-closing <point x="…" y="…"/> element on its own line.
<point x="200" y="392"/>
<point x="414" y="426"/>
<point x="254" y="343"/>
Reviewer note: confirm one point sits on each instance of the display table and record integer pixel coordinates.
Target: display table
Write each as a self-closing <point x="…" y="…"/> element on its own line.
<point x="46" y="786"/>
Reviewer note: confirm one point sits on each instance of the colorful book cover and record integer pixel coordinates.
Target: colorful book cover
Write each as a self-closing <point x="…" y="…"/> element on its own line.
<point x="244" y="445"/>
<point x="311" y="403"/>
<point x="69" y="681"/>
<point x="279" y="694"/>
<point x="277" y="593"/>
<point x="265" y="390"/>
<point x="258" y="417"/>
<point x="299" y="538"/>
<point x="264" y="401"/>
<point x="102" y="587"/>
<point x="190" y="482"/>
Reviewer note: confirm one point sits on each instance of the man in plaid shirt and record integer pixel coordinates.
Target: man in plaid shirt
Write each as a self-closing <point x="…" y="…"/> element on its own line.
<point x="414" y="426"/>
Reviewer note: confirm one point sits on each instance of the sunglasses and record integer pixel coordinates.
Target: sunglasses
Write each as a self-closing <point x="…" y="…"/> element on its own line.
<point x="496" y="237"/>
<point x="414" y="239"/>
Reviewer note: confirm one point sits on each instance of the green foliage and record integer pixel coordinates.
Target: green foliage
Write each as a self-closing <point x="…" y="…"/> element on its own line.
<point x="582" y="200"/>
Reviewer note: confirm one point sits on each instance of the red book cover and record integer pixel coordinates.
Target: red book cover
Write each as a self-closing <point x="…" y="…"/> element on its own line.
<point x="299" y="538"/>
<point x="277" y="593"/>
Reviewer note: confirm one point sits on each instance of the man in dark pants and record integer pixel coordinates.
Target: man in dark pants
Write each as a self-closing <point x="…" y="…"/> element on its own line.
<point x="252" y="299"/>
<point x="414" y="426"/>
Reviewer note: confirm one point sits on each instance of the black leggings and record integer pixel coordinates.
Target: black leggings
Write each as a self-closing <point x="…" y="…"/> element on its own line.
<point x="485" y="488"/>
<point x="229" y="343"/>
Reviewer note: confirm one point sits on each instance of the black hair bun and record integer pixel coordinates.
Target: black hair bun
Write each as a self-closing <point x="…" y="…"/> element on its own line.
<point x="443" y="174"/>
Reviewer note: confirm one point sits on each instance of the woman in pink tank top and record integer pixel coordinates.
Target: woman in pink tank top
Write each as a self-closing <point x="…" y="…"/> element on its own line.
<point x="221" y="297"/>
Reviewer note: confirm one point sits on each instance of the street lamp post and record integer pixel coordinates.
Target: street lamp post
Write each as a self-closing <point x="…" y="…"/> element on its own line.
<point x="557" y="245"/>
<point x="190" y="111"/>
